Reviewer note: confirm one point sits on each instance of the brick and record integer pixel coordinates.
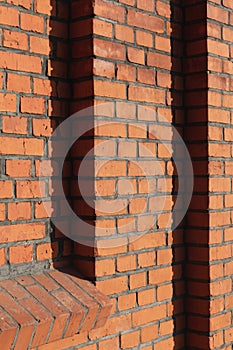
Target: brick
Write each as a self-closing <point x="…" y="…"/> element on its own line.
<point x="126" y="263"/>
<point x="8" y="102"/>
<point x="20" y="62"/>
<point x="146" y="76"/>
<point x="124" y="33"/>
<point x="166" y="327"/>
<point x="103" y="228"/>
<point x="218" y="253"/>
<point x="126" y="302"/>
<point x="162" y="44"/>
<point x="32" y="105"/>
<point x="111" y="168"/>
<point x="21" y="232"/>
<point x="42" y="86"/>
<point x="220" y="185"/>
<point x="221" y="321"/>
<point x="104" y="68"/>
<point x="145" y="94"/>
<point x="127" y="150"/>
<point x="102" y="28"/>
<point x="109" y="344"/>
<point x="39" y="45"/>
<point x="137" y="280"/>
<point x="215" y="64"/>
<point x="109" y="50"/>
<point x="14" y="125"/>
<point x="163" y="9"/>
<point x="20" y="254"/>
<point x="149" y="240"/>
<point x="142" y="20"/>
<point x="126" y="225"/>
<point x="228" y="234"/>
<point x="165" y="274"/>
<point x="158" y="60"/>
<point x="221" y="49"/>
<point x="218" y="115"/>
<point x="146" y="259"/>
<point x="30" y="189"/>
<point x="2" y="257"/>
<point x="144" y="38"/>
<point x="148" y="315"/>
<point x="111" y="129"/>
<point x="42" y="127"/>
<point x="220" y="287"/>
<point x="46" y="251"/>
<point x="18" y="168"/>
<point x="15" y="40"/>
<point x="227" y="3"/>
<point x="126" y="72"/>
<point x="110" y="11"/>
<point x="6" y="190"/>
<point x="219" y="150"/>
<point x="44" y="7"/>
<point x="164" y="256"/>
<point x="146" y="297"/>
<point x="105" y="188"/>
<point x="113" y="285"/>
<point x="137" y="205"/>
<point x="47" y="282"/>
<point x="129" y="340"/>
<point x="228" y="101"/>
<point x="9" y="16"/>
<point x="137" y="131"/>
<point x="32" y="23"/>
<point x="144" y="5"/>
<point x="19" y="211"/>
<point x="20" y="83"/>
<point x="23" y="3"/>
<point x="109" y="89"/>
<point x="214" y="30"/>
<point x="216" y="13"/>
<point x="164" y="292"/>
<point x="136" y="55"/>
<point x="149" y="333"/>
<point x="105" y="267"/>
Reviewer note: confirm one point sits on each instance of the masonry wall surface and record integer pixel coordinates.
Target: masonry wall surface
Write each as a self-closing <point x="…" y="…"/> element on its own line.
<point x="143" y="66"/>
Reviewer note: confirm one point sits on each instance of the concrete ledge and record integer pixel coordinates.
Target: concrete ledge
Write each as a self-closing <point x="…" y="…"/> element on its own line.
<point x="40" y="309"/>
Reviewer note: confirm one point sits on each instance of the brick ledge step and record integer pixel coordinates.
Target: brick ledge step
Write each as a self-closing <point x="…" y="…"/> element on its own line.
<point x="38" y="309"/>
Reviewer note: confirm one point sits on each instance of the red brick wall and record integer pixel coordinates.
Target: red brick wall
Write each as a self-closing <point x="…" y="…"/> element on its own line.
<point x="147" y="60"/>
<point x="34" y="98"/>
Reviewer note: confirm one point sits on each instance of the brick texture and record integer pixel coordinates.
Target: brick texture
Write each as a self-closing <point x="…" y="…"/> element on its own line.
<point x="47" y="308"/>
<point x="148" y="60"/>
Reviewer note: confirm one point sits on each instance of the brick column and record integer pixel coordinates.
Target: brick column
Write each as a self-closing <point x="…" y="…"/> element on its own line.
<point x="220" y="132"/>
<point x="208" y="74"/>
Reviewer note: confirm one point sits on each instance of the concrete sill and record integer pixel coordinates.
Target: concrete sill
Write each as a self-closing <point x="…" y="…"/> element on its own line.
<point x="40" y="309"/>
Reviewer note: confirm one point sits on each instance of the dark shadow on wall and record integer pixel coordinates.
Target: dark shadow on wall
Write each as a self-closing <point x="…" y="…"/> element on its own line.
<point x="189" y="101"/>
<point x="178" y="122"/>
<point x="70" y="68"/>
<point x="57" y="71"/>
